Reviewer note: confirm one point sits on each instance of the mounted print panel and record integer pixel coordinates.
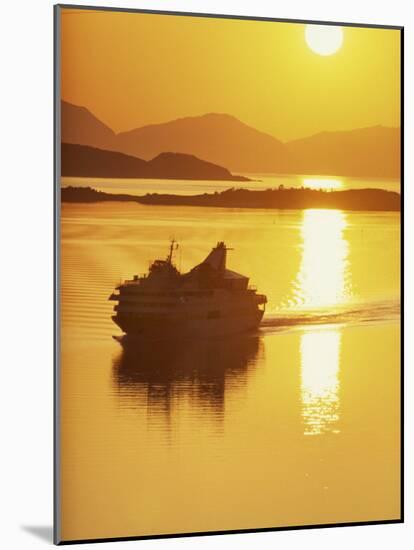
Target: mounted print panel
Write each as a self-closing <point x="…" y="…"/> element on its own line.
<point x="228" y="341"/>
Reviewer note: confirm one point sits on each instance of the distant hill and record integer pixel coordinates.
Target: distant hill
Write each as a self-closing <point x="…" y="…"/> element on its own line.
<point x="297" y="199"/>
<point x="368" y="152"/>
<point x="226" y="141"/>
<point x="218" y="138"/>
<point x="85" y="161"/>
<point x="80" y="126"/>
<point x="182" y="166"/>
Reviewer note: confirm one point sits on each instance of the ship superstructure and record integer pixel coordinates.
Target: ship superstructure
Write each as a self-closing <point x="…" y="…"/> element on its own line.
<point x="206" y="301"/>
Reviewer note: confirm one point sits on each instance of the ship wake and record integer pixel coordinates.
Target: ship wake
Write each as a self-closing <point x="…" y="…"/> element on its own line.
<point x="363" y="313"/>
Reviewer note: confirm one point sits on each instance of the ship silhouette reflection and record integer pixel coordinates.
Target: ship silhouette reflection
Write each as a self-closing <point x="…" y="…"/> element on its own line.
<point x="165" y="376"/>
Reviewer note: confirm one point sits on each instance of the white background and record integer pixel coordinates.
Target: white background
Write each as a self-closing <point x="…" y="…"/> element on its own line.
<point x="26" y="269"/>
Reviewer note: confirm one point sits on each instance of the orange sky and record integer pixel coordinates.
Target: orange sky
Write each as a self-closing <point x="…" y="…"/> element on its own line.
<point x="132" y="69"/>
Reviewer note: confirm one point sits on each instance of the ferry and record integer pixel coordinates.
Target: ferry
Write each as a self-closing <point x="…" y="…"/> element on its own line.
<point x="209" y="300"/>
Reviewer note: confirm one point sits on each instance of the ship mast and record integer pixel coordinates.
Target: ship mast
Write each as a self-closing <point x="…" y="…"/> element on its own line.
<point x="173" y="246"/>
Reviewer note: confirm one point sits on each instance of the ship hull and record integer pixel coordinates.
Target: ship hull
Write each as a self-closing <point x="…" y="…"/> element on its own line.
<point x="187" y="328"/>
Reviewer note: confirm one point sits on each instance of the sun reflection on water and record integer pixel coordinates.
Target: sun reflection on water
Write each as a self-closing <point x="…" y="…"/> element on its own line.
<point x="323" y="278"/>
<point x="322" y="283"/>
<point x="320" y="362"/>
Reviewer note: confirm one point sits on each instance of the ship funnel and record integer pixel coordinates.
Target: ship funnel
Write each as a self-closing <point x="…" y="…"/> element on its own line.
<point x="217" y="257"/>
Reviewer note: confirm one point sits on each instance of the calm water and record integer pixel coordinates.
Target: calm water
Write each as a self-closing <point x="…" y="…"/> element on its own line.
<point x="296" y="424"/>
<point x="261" y="181"/>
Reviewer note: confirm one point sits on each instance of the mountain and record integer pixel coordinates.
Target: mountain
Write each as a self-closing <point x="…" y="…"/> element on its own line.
<point x="85" y="161"/>
<point x="218" y="138"/>
<point x="80" y="126"/>
<point x="188" y="167"/>
<point x="226" y="141"/>
<point x="364" y="152"/>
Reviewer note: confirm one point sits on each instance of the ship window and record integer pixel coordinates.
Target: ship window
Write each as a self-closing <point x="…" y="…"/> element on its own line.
<point x="213" y="314"/>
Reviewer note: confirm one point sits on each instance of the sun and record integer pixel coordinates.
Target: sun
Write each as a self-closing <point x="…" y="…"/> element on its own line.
<point x="324" y="39"/>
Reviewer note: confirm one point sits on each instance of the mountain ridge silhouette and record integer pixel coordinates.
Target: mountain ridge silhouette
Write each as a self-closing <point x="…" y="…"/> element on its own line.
<point x="85" y="161"/>
<point x="224" y="140"/>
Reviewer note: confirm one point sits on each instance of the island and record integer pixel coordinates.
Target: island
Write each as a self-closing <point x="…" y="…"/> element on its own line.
<point x="85" y="161"/>
<point x="280" y="198"/>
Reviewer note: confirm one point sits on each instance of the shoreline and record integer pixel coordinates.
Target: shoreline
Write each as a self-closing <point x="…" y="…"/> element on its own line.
<point x="272" y="199"/>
